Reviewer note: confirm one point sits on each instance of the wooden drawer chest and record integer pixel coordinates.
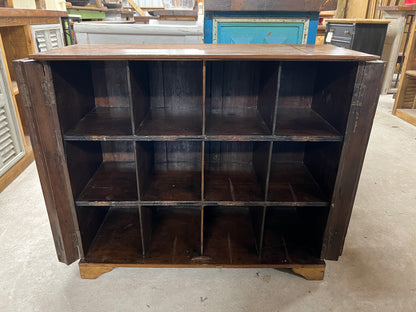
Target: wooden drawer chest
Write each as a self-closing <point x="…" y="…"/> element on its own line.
<point x="199" y="155"/>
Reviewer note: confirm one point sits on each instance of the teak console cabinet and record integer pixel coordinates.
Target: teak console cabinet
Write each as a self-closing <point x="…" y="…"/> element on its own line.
<point x="199" y="155"/>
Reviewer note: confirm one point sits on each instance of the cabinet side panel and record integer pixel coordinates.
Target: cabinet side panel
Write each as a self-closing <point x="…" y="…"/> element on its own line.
<point x="36" y="88"/>
<point x="364" y="103"/>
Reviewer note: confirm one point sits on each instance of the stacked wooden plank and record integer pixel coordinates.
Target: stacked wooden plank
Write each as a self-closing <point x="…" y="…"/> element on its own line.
<point x="363" y="8"/>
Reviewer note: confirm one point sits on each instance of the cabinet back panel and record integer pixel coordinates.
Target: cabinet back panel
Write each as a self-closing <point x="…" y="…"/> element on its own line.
<point x="73" y="90"/>
<point x="83" y="159"/>
<point x="229" y="156"/>
<point x="177" y="156"/>
<point x="333" y="92"/>
<point x="176" y="85"/>
<point x="234" y="87"/>
<point x="297" y="84"/>
<point x="111" y="88"/>
<point x="117" y="151"/>
<point x="288" y="152"/>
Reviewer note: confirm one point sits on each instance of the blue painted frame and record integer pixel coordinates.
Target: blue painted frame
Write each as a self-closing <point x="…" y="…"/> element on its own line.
<point x="312" y="16"/>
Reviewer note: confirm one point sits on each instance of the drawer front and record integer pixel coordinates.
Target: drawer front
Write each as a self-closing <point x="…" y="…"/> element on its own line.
<point x="340" y="35"/>
<point x="345" y="31"/>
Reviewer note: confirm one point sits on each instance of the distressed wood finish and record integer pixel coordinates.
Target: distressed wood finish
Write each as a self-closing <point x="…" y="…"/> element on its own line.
<point x="201" y="163"/>
<point x="203" y="52"/>
<point x="36" y="88"/>
<point x="363" y="106"/>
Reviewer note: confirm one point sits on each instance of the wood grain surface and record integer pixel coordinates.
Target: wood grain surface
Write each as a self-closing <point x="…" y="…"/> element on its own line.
<point x="202" y="52"/>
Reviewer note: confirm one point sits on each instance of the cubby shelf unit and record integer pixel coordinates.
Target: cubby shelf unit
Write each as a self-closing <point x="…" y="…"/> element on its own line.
<point x="202" y="156"/>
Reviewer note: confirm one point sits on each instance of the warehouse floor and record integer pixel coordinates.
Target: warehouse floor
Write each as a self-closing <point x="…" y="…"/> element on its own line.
<point x="377" y="271"/>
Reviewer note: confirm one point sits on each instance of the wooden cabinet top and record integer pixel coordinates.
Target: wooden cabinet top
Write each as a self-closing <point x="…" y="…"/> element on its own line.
<point x="8" y="12"/>
<point x="357" y="21"/>
<point x="203" y="52"/>
<point x="270" y="5"/>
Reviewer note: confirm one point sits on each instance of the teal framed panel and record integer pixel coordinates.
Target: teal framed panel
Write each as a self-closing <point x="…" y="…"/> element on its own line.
<point x="260" y="30"/>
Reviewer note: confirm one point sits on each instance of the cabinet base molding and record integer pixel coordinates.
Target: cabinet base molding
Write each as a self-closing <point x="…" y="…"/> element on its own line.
<point x="313" y="272"/>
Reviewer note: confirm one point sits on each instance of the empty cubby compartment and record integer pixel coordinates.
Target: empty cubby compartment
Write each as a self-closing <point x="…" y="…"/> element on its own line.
<point x="92" y="98"/>
<point x="293" y="234"/>
<point x="110" y="234"/>
<point x="167" y="97"/>
<point x="232" y="234"/>
<point x="102" y="171"/>
<point x="171" y="234"/>
<point x="240" y="97"/>
<point x="303" y="172"/>
<point x="309" y="105"/>
<point x="169" y="171"/>
<point x="235" y="171"/>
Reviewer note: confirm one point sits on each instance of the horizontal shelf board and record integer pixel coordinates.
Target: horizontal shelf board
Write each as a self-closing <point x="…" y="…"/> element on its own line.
<point x="113" y="181"/>
<point x="103" y="122"/>
<point x="163" y="122"/>
<point x="232" y="186"/>
<point x="207" y="138"/>
<point x="298" y="138"/>
<point x="168" y="138"/>
<point x="203" y="52"/>
<point x="176" y="236"/>
<point x="304" y="123"/>
<point x="235" y="125"/>
<point x="173" y="186"/>
<point x="240" y="138"/>
<point x="119" y="242"/>
<point x="292" y="182"/>
<point x="122" y="204"/>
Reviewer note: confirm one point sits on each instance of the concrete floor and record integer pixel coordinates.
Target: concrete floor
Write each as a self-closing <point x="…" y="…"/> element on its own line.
<point x="377" y="271"/>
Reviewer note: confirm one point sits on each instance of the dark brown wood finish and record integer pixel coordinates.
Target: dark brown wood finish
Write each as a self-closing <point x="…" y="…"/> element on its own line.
<point x="260" y="52"/>
<point x="175" y="236"/>
<point x="172" y="171"/>
<point x="334" y="79"/>
<point x="363" y="106"/>
<point x="234" y="162"/>
<point x="74" y="92"/>
<point x="38" y="98"/>
<point x="167" y="98"/>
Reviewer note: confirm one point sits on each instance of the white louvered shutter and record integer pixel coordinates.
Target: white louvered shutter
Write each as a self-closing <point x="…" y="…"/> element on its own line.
<point x="11" y="143"/>
<point x="47" y="37"/>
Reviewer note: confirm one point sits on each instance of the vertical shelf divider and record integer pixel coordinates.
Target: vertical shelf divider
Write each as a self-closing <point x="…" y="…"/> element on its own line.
<point x="130" y="90"/>
<point x="204" y="92"/>
<point x="139" y="107"/>
<point x="202" y="229"/>
<point x="276" y="103"/>
<point x="269" y="162"/>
